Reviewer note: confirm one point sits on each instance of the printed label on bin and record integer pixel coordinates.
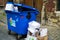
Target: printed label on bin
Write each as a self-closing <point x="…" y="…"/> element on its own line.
<point x="12" y="22"/>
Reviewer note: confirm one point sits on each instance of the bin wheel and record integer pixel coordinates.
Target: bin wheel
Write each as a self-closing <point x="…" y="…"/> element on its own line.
<point x="9" y="32"/>
<point x="22" y="37"/>
<point x="17" y="37"/>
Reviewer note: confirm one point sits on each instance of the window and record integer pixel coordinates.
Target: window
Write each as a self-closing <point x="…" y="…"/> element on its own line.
<point x="58" y="5"/>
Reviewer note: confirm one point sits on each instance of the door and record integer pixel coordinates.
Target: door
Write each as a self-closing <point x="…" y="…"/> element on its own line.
<point x="29" y="2"/>
<point x="38" y="5"/>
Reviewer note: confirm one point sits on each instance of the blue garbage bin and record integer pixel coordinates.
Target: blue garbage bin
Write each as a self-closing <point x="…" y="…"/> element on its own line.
<point x="18" y="21"/>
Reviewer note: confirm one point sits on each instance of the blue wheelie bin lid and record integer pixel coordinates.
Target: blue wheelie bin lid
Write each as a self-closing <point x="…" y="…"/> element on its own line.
<point x="27" y="8"/>
<point x="22" y="7"/>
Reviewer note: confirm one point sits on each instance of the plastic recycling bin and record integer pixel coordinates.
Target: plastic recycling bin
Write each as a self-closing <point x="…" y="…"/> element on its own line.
<point x="18" y="21"/>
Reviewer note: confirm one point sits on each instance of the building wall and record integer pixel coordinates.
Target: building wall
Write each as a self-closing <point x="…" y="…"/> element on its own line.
<point x="34" y="3"/>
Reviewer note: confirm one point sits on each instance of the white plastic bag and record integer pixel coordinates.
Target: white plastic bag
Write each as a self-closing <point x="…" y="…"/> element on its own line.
<point x="9" y="7"/>
<point x="16" y="9"/>
<point x="33" y="26"/>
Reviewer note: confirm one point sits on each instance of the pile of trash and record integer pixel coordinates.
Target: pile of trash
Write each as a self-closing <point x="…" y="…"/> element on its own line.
<point x="35" y="32"/>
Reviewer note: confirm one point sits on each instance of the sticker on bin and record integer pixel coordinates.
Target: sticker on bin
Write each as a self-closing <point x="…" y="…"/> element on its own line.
<point x="12" y="22"/>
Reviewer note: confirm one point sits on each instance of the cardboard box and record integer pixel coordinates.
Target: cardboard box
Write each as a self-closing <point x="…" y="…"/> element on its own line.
<point x="42" y="38"/>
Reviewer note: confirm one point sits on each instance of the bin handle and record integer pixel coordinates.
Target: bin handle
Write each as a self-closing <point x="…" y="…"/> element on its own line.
<point x="28" y="15"/>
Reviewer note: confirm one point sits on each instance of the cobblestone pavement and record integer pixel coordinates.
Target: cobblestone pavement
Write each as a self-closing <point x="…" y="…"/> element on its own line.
<point x="53" y="31"/>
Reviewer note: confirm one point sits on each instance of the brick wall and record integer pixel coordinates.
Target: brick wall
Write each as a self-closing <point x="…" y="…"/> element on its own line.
<point x="50" y="5"/>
